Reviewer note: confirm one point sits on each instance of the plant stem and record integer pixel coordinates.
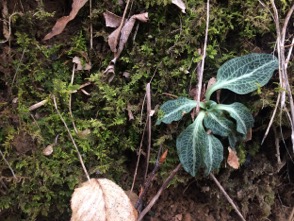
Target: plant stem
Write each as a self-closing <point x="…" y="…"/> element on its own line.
<point x="155" y="198"/>
<point x="71" y="137"/>
<point x="227" y="196"/>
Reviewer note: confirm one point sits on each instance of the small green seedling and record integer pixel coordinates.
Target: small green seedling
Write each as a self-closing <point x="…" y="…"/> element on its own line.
<point x="197" y="145"/>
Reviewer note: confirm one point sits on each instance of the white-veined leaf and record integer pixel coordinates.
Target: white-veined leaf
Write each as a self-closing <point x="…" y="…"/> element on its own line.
<point x="245" y="74"/>
<point x="213" y="153"/>
<point x="218" y="123"/>
<point x="241" y="114"/>
<point x="198" y="149"/>
<point x="174" y="110"/>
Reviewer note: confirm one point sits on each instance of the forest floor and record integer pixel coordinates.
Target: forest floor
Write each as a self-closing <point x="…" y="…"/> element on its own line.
<point x="261" y="188"/>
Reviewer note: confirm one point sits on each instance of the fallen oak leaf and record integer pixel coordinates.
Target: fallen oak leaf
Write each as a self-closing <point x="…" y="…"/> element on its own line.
<point x="62" y="22"/>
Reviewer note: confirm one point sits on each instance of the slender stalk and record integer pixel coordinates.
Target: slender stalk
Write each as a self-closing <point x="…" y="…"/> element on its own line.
<point x="71" y="137"/>
<point x="156" y="197"/>
<point x="201" y="70"/>
<point x="227" y="196"/>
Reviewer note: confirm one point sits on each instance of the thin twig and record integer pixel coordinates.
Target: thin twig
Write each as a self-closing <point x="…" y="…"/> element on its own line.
<point x="148" y="104"/>
<point x="122" y="22"/>
<point x="9" y="27"/>
<point x="139" y="156"/>
<point x="70" y="99"/>
<point x="91" y="25"/>
<point x="227" y="196"/>
<point x="71" y="137"/>
<point x="13" y="174"/>
<point x="272" y="118"/>
<point x="201" y="69"/>
<point x="155" y="198"/>
<point x="148" y="180"/>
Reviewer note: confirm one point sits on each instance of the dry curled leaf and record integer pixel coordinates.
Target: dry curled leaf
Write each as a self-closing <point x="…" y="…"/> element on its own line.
<point x="109" y="72"/>
<point x="124" y="34"/>
<point x="100" y="200"/>
<point x="80" y="65"/>
<point x="233" y="159"/>
<point x="48" y="150"/>
<point x="181" y="5"/>
<point x="62" y="22"/>
<point x="111" y="20"/>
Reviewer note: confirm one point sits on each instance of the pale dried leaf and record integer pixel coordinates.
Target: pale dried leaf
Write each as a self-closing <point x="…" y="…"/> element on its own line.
<point x="109" y="72"/>
<point x="233" y="159"/>
<point x="249" y="135"/>
<point x="80" y="65"/>
<point x="62" y="22"/>
<point x="48" y="150"/>
<point x="112" y="40"/>
<point x="5" y="16"/>
<point x="180" y="4"/>
<point x="210" y="82"/>
<point x="111" y="20"/>
<point x="130" y="113"/>
<point x="127" y="29"/>
<point x="100" y="200"/>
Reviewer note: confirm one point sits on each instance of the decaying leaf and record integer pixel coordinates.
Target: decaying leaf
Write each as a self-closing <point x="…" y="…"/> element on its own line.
<point x="124" y="34"/>
<point x="5" y="16"/>
<point x="211" y="82"/>
<point x="111" y="20"/>
<point x="80" y="65"/>
<point x="48" y="150"/>
<point x="127" y="29"/>
<point x="109" y="72"/>
<point x="233" y="159"/>
<point x="62" y="22"/>
<point x="100" y="200"/>
<point x="180" y="4"/>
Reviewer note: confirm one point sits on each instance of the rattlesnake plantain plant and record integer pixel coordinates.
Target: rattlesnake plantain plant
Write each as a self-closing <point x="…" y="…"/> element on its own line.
<point x="197" y="148"/>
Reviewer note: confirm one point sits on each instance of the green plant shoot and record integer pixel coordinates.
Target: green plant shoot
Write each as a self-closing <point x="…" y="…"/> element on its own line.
<point x="197" y="145"/>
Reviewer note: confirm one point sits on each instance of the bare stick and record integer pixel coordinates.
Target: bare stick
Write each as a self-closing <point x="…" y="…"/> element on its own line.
<point x="201" y="70"/>
<point x="139" y="156"/>
<point x="150" y="178"/>
<point x="73" y="141"/>
<point x="122" y="22"/>
<point x="272" y="118"/>
<point x="148" y="103"/>
<point x="155" y="198"/>
<point x="91" y="26"/>
<point x="227" y="196"/>
<point x="13" y="174"/>
<point x="70" y="98"/>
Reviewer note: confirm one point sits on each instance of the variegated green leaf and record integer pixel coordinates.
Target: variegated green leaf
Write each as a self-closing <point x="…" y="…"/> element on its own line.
<point x="218" y="123"/>
<point x="245" y="74"/>
<point x="198" y="149"/>
<point x="241" y="114"/>
<point x="174" y="110"/>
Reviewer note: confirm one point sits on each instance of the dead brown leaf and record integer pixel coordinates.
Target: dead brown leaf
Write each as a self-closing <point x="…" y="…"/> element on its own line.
<point x="124" y="33"/>
<point x="181" y="5"/>
<point x="233" y="159"/>
<point x="81" y="65"/>
<point x="62" y="22"/>
<point x="112" y="20"/>
<point x="100" y="200"/>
